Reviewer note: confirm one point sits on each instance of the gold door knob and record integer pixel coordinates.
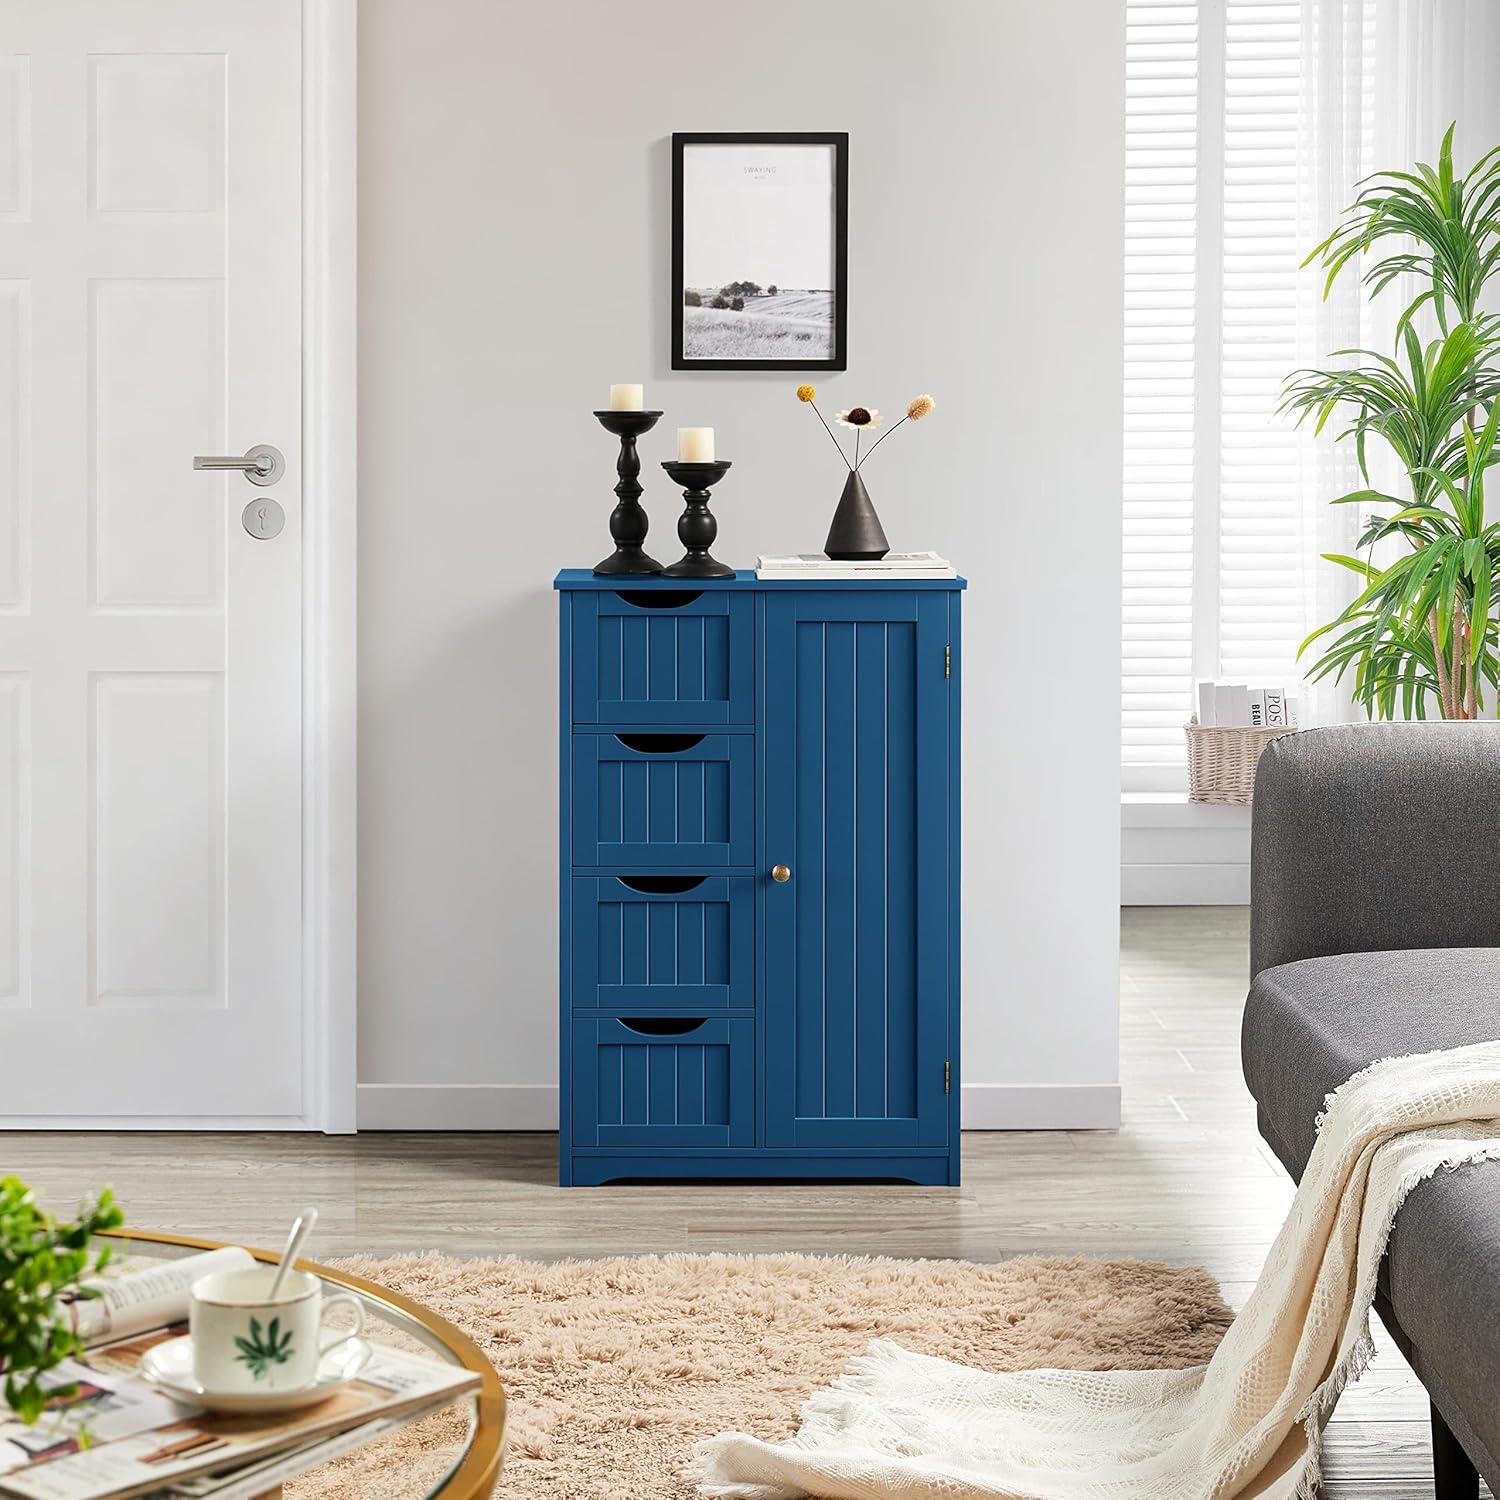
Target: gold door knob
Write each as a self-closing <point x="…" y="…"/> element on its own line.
<point x="780" y="874"/>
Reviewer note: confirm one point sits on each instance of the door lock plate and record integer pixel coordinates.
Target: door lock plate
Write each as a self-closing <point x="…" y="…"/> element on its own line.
<point x="263" y="519"/>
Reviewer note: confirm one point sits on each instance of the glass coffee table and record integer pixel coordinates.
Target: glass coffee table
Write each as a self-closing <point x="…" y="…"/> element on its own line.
<point x="475" y="1460"/>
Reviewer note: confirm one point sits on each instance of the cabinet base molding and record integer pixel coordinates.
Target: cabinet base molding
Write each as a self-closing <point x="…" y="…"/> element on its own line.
<point x="933" y="1168"/>
<point x="526" y="1106"/>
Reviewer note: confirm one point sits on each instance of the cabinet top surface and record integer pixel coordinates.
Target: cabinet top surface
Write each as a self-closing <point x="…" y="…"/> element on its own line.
<point x="583" y="578"/>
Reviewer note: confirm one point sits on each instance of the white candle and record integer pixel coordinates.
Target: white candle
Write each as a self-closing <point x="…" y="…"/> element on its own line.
<point x="627" y="398"/>
<point x="695" y="445"/>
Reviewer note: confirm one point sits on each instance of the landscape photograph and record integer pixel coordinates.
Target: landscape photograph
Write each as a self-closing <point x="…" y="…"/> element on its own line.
<point x="757" y="253"/>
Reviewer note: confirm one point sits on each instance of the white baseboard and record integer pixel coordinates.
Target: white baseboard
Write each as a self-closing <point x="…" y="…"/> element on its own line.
<point x="1179" y="853"/>
<point x="523" y="1106"/>
<point x="1041" y="1106"/>
<point x="457" y="1106"/>
<point x="156" y="1122"/>
<point x="1185" y="885"/>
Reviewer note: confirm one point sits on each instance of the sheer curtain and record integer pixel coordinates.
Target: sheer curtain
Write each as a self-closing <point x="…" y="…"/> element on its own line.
<point x="1381" y="81"/>
<point x="1338" y="107"/>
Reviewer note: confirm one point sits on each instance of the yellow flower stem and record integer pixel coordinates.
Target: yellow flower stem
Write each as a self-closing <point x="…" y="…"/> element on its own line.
<point x="831" y="437"/>
<point x="878" y="441"/>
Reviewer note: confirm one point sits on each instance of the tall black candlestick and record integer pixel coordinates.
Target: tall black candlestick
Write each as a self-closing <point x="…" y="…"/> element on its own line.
<point x="627" y="521"/>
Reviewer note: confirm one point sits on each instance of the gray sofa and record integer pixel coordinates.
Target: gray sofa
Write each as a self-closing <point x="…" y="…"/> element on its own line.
<point x="1375" y="931"/>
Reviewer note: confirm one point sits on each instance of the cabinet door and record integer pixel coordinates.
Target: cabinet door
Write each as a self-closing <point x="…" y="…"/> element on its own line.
<point x="856" y="794"/>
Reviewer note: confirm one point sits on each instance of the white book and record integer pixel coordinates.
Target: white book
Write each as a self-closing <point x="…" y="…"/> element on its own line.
<point x="1275" y="707"/>
<point x="1294" y="711"/>
<point x="1231" y="703"/>
<point x="1255" y="701"/>
<point x="1206" y="710"/>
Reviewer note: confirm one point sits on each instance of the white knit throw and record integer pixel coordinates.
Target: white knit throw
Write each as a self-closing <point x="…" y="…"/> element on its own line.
<point x="1249" y="1423"/>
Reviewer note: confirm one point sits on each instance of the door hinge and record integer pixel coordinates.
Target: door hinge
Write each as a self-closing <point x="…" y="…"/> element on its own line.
<point x="947" y="1077"/>
<point x="947" y="661"/>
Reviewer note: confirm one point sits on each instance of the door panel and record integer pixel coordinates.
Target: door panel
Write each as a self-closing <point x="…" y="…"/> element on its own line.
<point x="150" y="681"/>
<point x="856" y="797"/>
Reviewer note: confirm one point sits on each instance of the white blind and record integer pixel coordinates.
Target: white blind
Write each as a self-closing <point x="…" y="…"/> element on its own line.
<point x="1263" y="547"/>
<point x="1220" y="519"/>
<point x="1161" y="395"/>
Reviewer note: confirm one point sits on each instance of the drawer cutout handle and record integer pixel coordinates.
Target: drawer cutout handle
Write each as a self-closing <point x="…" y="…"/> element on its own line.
<point x="659" y="598"/>
<point x="661" y="885"/>
<point x="661" y="1025"/>
<point x="660" y="744"/>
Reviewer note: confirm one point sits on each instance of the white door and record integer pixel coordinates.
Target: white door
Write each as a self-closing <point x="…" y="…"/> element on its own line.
<point x="150" y="766"/>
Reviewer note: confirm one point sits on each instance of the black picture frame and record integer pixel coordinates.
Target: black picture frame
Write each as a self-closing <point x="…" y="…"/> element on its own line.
<point x="839" y="141"/>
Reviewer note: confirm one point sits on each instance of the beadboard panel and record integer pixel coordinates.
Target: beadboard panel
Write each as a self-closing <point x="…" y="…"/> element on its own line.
<point x="678" y="656"/>
<point x="655" y="803"/>
<point x="682" y="943"/>
<point x="856" y="728"/>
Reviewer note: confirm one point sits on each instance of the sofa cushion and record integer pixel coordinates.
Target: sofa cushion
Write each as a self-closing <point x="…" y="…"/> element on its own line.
<point x="1311" y="1025"/>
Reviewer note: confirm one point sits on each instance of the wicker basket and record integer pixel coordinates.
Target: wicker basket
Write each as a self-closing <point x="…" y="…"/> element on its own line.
<point x="1222" y="760"/>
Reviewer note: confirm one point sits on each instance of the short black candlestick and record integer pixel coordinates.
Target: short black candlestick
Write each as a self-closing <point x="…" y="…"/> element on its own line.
<point x="627" y="521"/>
<point x="696" y="526"/>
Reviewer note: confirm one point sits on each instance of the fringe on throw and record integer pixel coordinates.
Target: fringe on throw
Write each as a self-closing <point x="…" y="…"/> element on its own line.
<point x="1361" y="1354"/>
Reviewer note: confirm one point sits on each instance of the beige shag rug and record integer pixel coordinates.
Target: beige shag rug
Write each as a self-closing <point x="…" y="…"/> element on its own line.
<point x="614" y="1368"/>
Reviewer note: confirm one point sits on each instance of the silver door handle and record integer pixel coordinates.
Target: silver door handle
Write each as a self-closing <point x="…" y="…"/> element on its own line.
<point x="261" y="464"/>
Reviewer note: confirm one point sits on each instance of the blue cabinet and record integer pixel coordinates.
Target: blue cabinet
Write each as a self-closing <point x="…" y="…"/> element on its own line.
<point x="759" y="893"/>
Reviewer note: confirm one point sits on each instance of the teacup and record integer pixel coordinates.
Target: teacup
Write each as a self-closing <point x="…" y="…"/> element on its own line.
<point x="244" y="1343"/>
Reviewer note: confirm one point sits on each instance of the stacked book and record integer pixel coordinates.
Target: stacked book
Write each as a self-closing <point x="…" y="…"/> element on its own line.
<point x="815" y="565"/>
<point x="1247" y="706"/>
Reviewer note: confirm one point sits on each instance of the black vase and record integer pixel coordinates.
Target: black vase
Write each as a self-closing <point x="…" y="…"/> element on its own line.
<point x="856" y="534"/>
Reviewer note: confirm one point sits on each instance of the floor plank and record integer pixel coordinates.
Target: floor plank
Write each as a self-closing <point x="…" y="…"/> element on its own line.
<point x="1186" y="1180"/>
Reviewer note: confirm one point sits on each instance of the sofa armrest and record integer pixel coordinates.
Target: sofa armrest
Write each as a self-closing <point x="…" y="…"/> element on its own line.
<point x="1370" y="837"/>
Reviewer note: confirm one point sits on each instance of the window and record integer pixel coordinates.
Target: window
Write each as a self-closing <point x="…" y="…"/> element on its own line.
<point x="1221" y="531"/>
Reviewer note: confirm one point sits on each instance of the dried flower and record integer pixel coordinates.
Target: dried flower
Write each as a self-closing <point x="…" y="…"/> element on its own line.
<point x="805" y="393"/>
<point x="858" y="416"/>
<point x="920" y="406"/>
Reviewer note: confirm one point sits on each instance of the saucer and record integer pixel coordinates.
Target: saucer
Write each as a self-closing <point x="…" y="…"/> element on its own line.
<point x="169" y="1367"/>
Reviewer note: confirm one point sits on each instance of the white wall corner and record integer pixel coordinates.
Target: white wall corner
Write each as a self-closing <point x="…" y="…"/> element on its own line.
<point x="521" y="1106"/>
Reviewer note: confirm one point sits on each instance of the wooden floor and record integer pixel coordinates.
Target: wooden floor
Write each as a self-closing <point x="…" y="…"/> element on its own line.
<point x="1185" y="1180"/>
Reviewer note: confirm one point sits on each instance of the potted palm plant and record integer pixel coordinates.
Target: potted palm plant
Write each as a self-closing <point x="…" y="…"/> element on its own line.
<point x="1421" y="633"/>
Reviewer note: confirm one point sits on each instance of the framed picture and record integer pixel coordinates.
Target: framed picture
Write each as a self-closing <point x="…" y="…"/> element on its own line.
<point x="760" y="251"/>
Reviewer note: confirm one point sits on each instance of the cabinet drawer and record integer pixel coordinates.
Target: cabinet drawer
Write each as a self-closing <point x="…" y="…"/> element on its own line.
<point x="663" y="656"/>
<point x="654" y="801"/>
<point x="665" y="1082"/>
<point x="654" y="943"/>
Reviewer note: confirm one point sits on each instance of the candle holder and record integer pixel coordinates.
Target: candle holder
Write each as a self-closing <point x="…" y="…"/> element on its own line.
<point x="627" y="521"/>
<point x="696" y="526"/>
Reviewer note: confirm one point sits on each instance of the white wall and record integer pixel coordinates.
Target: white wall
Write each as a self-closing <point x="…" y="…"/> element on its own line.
<point x="514" y="224"/>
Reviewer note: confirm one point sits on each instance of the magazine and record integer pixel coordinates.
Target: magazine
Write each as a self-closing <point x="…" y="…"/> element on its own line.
<point x="261" y="1476"/>
<point x="117" y="1436"/>
<point x="149" y="1298"/>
